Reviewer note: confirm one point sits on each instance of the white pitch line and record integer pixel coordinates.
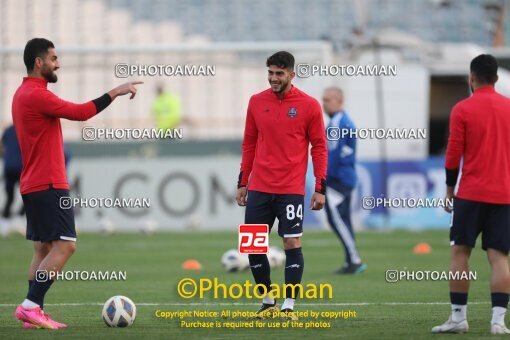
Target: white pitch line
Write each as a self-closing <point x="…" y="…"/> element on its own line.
<point x="254" y="304"/>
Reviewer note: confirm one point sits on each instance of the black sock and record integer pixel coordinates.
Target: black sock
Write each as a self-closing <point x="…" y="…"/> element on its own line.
<point x="259" y="265"/>
<point x="294" y="264"/>
<point x="38" y="291"/>
<point x="30" y="283"/>
<point x="458" y="298"/>
<point x="499" y="299"/>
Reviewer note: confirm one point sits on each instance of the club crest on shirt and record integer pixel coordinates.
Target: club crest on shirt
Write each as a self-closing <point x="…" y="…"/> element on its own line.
<point x="292" y="113"/>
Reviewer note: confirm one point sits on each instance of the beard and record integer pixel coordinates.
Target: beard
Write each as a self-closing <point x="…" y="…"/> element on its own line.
<point x="281" y="88"/>
<point x="49" y="75"/>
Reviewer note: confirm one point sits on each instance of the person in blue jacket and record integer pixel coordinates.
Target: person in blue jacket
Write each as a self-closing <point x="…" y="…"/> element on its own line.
<point x="341" y="178"/>
<point x="12" y="168"/>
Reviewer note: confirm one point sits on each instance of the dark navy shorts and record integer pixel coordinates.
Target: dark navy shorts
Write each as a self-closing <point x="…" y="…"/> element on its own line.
<point x="470" y="218"/>
<point x="46" y="220"/>
<point x="264" y="208"/>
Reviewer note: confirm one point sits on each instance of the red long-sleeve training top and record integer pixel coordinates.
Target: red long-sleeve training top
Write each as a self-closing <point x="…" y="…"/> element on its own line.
<point x="276" y="142"/>
<point x="36" y="114"/>
<point x="480" y="132"/>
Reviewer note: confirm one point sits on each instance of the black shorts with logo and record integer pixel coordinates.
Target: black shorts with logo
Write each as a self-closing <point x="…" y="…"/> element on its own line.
<point x="264" y="208"/>
<point x="47" y="220"/>
<point x="470" y="218"/>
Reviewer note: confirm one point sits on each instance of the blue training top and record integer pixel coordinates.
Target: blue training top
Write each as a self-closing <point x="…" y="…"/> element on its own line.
<point x="342" y="151"/>
<point x="12" y="152"/>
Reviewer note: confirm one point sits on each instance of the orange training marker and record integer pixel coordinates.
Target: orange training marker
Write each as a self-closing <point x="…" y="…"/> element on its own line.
<point x="422" y="248"/>
<point x="191" y="265"/>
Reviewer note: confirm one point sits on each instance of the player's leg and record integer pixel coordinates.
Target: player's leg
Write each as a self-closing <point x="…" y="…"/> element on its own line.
<point x="61" y="251"/>
<point x="500" y="288"/>
<point x="47" y="222"/>
<point x="294" y="267"/>
<point x="6" y="212"/>
<point x="356" y="265"/>
<point x="41" y="250"/>
<point x="338" y="203"/>
<point x="459" y="288"/>
<point x="289" y="210"/>
<point x="466" y="224"/>
<point x="457" y="322"/>
<point x="54" y="261"/>
<point x="496" y="240"/>
<point x="33" y="317"/>
<point x="330" y="207"/>
<point x="259" y="211"/>
<point x="10" y="182"/>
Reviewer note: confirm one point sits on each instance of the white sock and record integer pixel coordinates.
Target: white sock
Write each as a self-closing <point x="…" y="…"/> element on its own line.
<point x="459" y="312"/>
<point x="27" y="304"/>
<point x="288" y="304"/>
<point x="268" y="299"/>
<point x="498" y="315"/>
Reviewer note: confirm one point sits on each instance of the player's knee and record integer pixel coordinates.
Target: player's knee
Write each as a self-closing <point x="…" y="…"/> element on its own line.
<point x="345" y="216"/>
<point x="71" y="247"/>
<point x="42" y="249"/>
<point x="291" y="242"/>
<point x="66" y="247"/>
<point x="40" y="255"/>
<point x="461" y="252"/>
<point x="496" y="256"/>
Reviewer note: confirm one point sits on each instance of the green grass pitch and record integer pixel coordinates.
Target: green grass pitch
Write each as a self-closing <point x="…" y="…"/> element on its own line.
<point x="403" y="310"/>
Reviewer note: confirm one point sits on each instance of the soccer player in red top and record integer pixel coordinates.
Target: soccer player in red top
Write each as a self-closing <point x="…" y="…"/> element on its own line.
<point x="281" y="123"/>
<point x="36" y="114"/>
<point x="479" y="133"/>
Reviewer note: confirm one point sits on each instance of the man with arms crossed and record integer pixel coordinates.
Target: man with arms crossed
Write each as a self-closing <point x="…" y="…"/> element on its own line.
<point x="281" y="123"/>
<point x="479" y="128"/>
<point x="36" y="114"/>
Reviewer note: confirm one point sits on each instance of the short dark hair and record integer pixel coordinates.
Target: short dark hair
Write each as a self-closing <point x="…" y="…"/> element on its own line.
<point x="37" y="47"/>
<point x="282" y="59"/>
<point x="485" y="69"/>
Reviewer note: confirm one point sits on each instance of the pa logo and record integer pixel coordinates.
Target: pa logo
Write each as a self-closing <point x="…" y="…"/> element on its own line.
<point x="292" y="112"/>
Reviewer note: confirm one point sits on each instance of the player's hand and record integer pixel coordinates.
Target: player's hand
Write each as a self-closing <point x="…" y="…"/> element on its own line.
<point x="125" y="89"/>
<point x="449" y="196"/>
<point x="318" y="201"/>
<point x="241" y="196"/>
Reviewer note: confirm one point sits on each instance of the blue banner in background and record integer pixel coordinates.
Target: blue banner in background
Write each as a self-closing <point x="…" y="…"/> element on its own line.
<point x="404" y="179"/>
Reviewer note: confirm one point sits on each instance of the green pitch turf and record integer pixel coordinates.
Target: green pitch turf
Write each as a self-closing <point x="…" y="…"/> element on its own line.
<point x="403" y="310"/>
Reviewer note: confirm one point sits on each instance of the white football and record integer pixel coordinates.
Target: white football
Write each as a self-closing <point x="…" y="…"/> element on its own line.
<point x="119" y="311"/>
<point x="232" y="261"/>
<point x="276" y="257"/>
